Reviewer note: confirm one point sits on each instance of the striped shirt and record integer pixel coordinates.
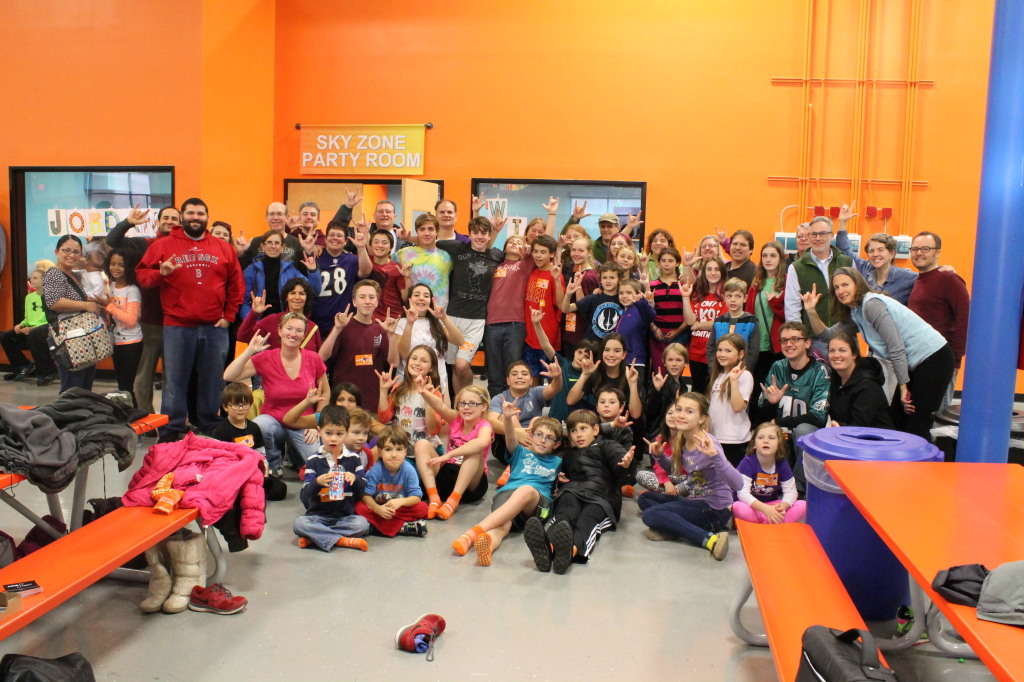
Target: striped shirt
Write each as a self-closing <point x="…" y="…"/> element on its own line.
<point x="668" y="305"/>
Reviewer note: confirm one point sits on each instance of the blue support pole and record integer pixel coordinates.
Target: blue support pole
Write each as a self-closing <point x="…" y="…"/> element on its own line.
<point x="993" y="335"/>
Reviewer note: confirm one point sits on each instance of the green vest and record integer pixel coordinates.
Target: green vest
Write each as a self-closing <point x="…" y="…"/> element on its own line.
<point x="808" y="274"/>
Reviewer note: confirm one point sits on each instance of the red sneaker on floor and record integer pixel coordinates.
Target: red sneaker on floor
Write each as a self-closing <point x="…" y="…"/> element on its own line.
<point x="216" y="599"/>
<point x="419" y="636"/>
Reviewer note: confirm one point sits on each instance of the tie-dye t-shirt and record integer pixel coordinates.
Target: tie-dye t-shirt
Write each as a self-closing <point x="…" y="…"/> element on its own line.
<point x="430" y="266"/>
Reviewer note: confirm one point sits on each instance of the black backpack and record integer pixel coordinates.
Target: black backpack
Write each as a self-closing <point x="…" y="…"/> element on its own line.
<point x="836" y="656"/>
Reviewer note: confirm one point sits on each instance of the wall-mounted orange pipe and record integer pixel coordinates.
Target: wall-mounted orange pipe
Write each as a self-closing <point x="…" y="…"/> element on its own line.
<point x="806" y="119"/>
<point x="910" y="121"/>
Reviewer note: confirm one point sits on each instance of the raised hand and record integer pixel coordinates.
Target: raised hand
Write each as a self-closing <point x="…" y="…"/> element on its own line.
<point x="258" y="344"/>
<point x="406" y="270"/>
<point x="478" y="203"/>
<point x="313" y="394"/>
<point x="633" y="222"/>
<point x="632" y="373"/>
<point x="552" y="370"/>
<point x="437" y="310"/>
<point x="720" y="235"/>
<point x="341" y="320"/>
<point x="628" y="458"/>
<point x="498" y="223"/>
<point x="308" y="242"/>
<point x="389" y="323"/>
<point x="309" y="260"/>
<point x="580" y="212"/>
<point x="167" y="267"/>
<point x="690" y="259"/>
<point x="536" y="315"/>
<point x="259" y="303"/>
<point x="589" y="366"/>
<point x="686" y="289"/>
<point x="293" y="221"/>
<point x="705" y="445"/>
<point x="361" y="226"/>
<point x="846" y="213"/>
<point x="773" y="393"/>
<point x="403" y="233"/>
<point x="353" y="197"/>
<point x="656" y="449"/>
<point x="410" y="317"/>
<point x="241" y="244"/>
<point x="359" y="237"/>
<point x="658" y="379"/>
<point x="735" y="372"/>
<point x="552" y="206"/>
<point x="509" y="409"/>
<point x="811" y="298"/>
<point x="622" y="421"/>
<point x="575" y="284"/>
<point x="137" y="216"/>
<point x="386" y="379"/>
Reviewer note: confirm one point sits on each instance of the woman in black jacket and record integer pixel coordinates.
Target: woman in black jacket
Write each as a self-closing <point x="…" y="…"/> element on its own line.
<point x="857" y="397"/>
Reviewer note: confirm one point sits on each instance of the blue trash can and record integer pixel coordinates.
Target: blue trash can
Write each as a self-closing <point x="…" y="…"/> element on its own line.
<point x="875" y="579"/>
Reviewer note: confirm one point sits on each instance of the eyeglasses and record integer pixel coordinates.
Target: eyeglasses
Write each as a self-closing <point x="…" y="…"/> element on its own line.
<point x="544" y="438"/>
<point x="238" y="406"/>
<point x="792" y="340"/>
<point x="923" y="249"/>
<point x="818" y="235"/>
<point x="466" y="403"/>
<point x="275" y="214"/>
<point x="70" y="252"/>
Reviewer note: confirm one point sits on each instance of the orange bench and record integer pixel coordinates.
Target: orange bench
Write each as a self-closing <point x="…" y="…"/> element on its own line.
<point x="65" y="567"/>
<point x="796" y="587"/>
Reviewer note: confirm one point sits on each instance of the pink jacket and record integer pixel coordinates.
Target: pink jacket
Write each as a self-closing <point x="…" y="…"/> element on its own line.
<point x="212" y="474"/>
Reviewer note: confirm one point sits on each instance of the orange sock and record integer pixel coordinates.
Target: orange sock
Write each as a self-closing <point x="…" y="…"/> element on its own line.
<point x="435" y="502"/>
<point x="483" y="549"/>
<point x="465" y="541"/>
<point x="448" y="508"/>
<point x="353" y="543"/>
<point x="627" y="491"/>
<point x="304" y="542"/>
<point x="503" y="479"/>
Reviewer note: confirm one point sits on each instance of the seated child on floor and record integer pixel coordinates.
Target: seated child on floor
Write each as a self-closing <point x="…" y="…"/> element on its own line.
<point x="587" y="502"/>
<point x="343" y="394"/>
<point x="329" y="487"/>
<point x="769" y="492"/>
<point x="460" y="475"/>
<point x="616" y="426"/>
<point x="657" y="478"/>
<point x="528" y="490"/>
<point x="359" y="423"/>
<point x="392" y="498"/>
<point x="236" y="401"/>
<point x="400" y="402"/>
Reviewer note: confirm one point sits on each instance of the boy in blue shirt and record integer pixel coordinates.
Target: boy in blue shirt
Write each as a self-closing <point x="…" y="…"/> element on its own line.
<point x="392" y="497"/>
<point x="330" y="520"/>
<point x="571" y="371"/>
<point x="528" y="490"/>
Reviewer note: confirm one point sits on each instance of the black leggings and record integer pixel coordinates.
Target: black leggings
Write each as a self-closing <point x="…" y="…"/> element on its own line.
<point x="588" y="521"/>
<point x="699" y="374"/>
<point x="927" y="388"/>
<point x="126" y="365"/>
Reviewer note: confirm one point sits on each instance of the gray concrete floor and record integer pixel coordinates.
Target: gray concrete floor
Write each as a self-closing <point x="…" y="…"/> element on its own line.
<point x="639" y="609"/>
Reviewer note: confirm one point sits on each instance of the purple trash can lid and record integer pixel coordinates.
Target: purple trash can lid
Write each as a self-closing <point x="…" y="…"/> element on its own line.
<point x="868" y="444"/>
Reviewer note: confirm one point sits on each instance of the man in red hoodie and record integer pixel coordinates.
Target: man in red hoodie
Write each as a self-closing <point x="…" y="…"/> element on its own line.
<point x="201" y="289"/>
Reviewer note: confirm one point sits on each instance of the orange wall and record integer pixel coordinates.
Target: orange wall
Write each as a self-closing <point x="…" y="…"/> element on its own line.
<point x="111" y="82"/>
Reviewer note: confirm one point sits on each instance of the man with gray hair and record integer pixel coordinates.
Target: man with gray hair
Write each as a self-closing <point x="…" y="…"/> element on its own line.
<point x="277" y="221"/>
<point x="814" y="270"/>
<point x="308" y="223"/>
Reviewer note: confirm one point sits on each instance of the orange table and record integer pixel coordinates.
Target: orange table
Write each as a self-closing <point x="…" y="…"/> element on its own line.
<point x="934" y="515"/>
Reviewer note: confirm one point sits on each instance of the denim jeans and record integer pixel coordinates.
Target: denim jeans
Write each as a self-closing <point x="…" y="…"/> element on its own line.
<point x="204" y="349"/>
<point x="503" y="345"/>
<point x="274" y="435"/>
<point x="682" y="517"/>
<point x="82" y="378"/>
<point x="325" y="531"/>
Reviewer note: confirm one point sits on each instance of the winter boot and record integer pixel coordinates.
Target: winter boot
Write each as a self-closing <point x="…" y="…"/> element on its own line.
<point x="159" y="578"/>
<point x="188" y="567"/>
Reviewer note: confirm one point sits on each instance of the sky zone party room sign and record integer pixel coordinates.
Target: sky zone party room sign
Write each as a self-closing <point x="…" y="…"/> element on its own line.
<point x="362" y="150"/>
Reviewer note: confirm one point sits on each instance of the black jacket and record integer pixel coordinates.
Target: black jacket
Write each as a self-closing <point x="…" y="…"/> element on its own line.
<point x="861" y="400"/>
<point x="595" y="475"/>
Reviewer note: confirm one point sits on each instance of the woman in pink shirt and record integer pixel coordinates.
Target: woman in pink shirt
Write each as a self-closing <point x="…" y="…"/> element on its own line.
<point x="288" y="373"/>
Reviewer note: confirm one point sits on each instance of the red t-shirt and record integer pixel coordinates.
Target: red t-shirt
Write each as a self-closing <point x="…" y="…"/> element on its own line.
<point x="706" y="310"/>
<point x="359" y="350"/>
<point x="507" y="291"/>
<point x="540" y="293"/>
<point x="391" y="282"/>
<point x="282" y="392"/>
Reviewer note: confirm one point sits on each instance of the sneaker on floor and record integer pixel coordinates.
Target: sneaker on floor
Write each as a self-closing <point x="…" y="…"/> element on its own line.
<point x="560" y="535"/>
<point x="416" y="529"/>
<point x="46" y="379"/>
<point x="721" y="546"/>
<point x="277" y="473"/>
<point x="419" y="636"/>
<point x="215" y="599"/>
<point x="25" y="372"/>
<point x="537" y="541"/>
